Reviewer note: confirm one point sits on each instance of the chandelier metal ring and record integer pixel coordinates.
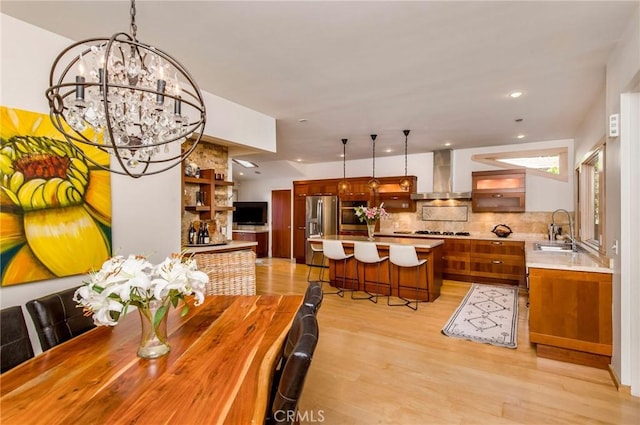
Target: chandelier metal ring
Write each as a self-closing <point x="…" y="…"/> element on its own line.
<point x="122" y="89"/>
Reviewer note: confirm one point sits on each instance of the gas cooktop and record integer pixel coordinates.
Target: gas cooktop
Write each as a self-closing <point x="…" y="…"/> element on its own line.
<point x="438" y="232"/>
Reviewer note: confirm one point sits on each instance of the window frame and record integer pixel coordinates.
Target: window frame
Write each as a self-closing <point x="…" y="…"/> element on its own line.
<point x="586" y="199"/>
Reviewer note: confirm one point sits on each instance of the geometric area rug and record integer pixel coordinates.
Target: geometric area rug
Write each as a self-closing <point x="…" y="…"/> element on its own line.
<point x="488" y="314"/>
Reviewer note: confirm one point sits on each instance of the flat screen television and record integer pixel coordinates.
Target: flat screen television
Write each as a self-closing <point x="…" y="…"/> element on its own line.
<point x="250" y="213"/>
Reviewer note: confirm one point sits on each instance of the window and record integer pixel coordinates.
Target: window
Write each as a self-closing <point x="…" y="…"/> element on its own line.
<point x="552" y="163"/>
<point x="591" y="199"/>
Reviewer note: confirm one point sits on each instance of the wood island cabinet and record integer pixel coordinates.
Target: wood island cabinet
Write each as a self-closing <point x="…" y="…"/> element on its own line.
<point x="570" y="316"/>
<point x="498" y="191"/>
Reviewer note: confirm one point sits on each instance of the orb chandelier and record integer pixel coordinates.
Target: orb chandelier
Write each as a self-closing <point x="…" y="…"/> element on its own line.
<point x="374" y="183"/>
<point x="344" y="186"/>
<point x="126" y="98"/>
<point x="405" y="183"/>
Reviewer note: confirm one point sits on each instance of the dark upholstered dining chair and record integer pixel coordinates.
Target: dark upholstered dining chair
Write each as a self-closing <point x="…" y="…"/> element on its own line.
<point x="58" y="318"/>
<point x="287" y="392"/>
<point x="16" y="346"/>
<point x="313" y="296"/>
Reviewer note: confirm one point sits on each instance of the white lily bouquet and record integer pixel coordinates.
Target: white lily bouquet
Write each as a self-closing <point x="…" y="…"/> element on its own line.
<point x="134" y="281"/>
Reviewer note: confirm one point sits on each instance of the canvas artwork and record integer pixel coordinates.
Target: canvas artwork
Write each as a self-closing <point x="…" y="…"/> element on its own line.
<point x="55" y="207"/>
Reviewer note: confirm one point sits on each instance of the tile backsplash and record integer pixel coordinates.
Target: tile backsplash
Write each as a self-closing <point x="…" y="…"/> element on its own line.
<point x="478" y="223"/>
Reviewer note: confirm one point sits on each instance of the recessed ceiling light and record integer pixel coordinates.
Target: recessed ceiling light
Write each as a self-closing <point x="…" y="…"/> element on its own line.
<point x="341" y="155"/>
<point x="299" y="159"/>
<point x="516" y="94"/>
<point x="388" y="150"/>
<point x="302" y="120"/>
<point x="241" y="173"/>
<point x="520" y="136"/>
<point x="244" y="163"/>
<point x="448" y="144"/>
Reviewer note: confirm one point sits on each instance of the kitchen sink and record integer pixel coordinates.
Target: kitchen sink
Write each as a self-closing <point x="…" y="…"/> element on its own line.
<point x="553" y="247"/>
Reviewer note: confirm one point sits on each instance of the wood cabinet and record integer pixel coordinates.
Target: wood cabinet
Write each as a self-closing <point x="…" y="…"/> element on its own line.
<point x="323" y="187"/>
<point x="498" y="261"/>
<point x="299" y="225"/>
<point x="570" y="316"/>
<point x="262" y="249"/>
<point x="455" y="258"/>
<point x="358" y="190"/>
<point x="482" y="260"/>
<point x="498" y="191"/>
<point x="205" y="187"/>
<point x="395" y="199"/>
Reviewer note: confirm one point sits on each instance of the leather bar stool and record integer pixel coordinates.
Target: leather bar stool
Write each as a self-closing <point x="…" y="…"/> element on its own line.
<point x="405" y="256"/>
<point x="334" y="250"/>
<point x="315" y="251"/>
<point x="367" y="253"/>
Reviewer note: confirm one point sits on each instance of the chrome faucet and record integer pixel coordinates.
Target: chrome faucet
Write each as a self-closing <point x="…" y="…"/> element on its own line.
<point x="571" y="236"/>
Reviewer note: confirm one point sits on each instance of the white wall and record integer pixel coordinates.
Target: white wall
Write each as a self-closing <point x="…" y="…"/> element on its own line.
<point x="145" y="211"/>
<point x="592" y="130"/>
<point x="623" y="75"/>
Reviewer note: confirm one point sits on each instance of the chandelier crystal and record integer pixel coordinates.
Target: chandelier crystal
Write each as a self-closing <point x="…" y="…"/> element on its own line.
<point x="126" y="98"/>
<point x="405" y="183"/>
<point x="344" y="186"/>
<point x="374" y="183"/>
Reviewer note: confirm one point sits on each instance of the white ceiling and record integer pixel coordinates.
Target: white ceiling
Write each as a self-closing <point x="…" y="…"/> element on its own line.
<point x="441" y="69"/>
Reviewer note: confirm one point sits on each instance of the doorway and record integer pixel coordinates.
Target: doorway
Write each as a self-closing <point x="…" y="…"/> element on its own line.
<point x="281" y="223"/>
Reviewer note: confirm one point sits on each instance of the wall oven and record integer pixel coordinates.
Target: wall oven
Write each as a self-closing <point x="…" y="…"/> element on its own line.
<point x="349" y="221"/>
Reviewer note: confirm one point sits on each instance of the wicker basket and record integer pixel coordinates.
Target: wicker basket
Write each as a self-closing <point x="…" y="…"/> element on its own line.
<point x="230" y="273"/>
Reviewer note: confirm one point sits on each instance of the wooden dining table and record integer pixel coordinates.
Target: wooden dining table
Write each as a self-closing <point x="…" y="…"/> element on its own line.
<point x="217" y="372"/>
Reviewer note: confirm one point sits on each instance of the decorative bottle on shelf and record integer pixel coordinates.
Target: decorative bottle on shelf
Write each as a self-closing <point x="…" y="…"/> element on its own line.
<point x="192" y="234"/>
<point x="205" y="236"/>
<point x="200" y="235"/>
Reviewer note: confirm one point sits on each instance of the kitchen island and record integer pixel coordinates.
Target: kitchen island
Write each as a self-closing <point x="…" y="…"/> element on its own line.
<point x="429" y="277"/>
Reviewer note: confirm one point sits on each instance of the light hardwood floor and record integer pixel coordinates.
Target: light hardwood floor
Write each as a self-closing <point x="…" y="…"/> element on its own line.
<point x="376" y="364"/>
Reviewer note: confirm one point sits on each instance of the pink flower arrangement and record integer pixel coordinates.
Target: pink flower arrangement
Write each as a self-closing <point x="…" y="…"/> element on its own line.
<point x="371" y="214"/>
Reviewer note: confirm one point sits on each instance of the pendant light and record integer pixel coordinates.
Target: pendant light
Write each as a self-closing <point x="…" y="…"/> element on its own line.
<point x="374" y="183"/>
<point x="128" y="99"/>
<point x="344" y="186"/>
<point x="405" y="183"/>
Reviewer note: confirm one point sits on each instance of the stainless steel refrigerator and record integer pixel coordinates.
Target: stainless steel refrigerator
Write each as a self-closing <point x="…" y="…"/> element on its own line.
<point x="321" y="219"/>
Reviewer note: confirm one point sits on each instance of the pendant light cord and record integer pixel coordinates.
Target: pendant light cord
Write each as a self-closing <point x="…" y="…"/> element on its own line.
<point x="373" y="137"/>
<point x="344" y="159"/>
<point x="406" y="134"/>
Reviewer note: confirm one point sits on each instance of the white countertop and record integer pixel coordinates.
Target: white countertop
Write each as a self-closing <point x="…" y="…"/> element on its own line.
<point x="384" y="240"/>
<point x="229" y="246"/>
<point x="572" y="261"/>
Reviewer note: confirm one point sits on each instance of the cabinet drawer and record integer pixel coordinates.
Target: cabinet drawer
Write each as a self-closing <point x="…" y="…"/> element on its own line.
<point x="497" y="247"/>
<point x="510" y="268"/>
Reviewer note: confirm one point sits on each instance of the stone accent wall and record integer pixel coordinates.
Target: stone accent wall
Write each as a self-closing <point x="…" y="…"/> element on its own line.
<point x="209" y="156"/>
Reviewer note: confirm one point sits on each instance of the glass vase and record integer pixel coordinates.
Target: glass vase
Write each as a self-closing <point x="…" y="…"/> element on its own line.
<point x="153" y="341"/>
<point x="371" y="228"/>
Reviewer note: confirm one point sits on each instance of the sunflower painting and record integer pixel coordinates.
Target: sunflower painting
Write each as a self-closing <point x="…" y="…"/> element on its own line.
<point x="55" y="208"/>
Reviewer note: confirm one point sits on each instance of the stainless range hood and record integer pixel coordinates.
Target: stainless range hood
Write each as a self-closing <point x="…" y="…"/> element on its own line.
<point x="442" y="179"/>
